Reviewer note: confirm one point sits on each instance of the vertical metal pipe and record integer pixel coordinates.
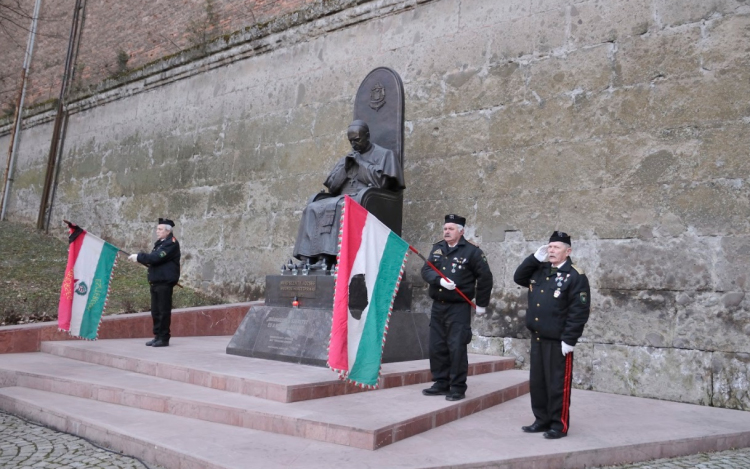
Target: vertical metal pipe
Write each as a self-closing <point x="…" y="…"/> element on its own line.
<point x="14" y="136"/>
<point x="64" y="125"/>
<point x="59" y="117"/>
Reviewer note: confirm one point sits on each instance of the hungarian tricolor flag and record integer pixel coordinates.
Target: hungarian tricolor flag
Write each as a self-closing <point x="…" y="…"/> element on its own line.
<point x="366" y="248"/>
<point x="84" y="291"/>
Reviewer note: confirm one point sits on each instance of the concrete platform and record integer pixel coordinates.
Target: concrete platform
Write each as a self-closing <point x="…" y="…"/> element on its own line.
<point x="606" y="429"/>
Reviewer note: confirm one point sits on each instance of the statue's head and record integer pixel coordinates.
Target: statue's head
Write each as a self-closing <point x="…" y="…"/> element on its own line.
<point x="359" y="136"/>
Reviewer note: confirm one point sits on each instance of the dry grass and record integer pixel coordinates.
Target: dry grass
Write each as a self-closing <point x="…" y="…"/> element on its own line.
<point x="32" y="265"/>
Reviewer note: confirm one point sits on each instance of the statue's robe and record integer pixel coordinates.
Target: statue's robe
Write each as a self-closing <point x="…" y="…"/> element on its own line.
<point x="319" y="226"/>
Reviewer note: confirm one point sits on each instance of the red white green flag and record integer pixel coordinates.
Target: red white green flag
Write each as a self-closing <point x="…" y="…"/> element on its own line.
<point x="85" y="287"/>
<point x="366" y="247"/>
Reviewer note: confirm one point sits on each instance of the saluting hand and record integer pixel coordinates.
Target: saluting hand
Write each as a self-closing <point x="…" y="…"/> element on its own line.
<point x="541" y="254"/>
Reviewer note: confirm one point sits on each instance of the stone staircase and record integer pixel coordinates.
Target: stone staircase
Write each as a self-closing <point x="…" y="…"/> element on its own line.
<point x="103" y="388"/>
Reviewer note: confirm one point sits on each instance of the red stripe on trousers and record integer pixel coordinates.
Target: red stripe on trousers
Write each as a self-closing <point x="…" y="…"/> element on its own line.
<point x="566" y="391"/>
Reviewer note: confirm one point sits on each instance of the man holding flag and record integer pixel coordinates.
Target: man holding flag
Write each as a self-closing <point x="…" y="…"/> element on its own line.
<point x="463" y="270"/>
<point x="163" y="264"/>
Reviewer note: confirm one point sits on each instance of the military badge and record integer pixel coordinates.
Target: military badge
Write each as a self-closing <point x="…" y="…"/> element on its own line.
<point x="162" y="254"/>
<point x="556" y="294"/>
<point x="584" y="298"/>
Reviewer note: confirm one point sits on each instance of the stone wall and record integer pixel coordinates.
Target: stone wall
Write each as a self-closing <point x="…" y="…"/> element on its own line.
<point x="625" y="123"/>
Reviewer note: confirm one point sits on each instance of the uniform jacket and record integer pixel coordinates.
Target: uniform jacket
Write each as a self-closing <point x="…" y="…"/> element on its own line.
<point x="163" y="261"/>
<point x="466" y="265"/>
<point x="559" y="304"/>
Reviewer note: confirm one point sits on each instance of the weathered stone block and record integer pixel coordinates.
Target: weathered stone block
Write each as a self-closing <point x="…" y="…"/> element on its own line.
<point x="692" y="11"/>
<point x="655" y="265"/>
<point x="593" y="22"/>
<point x="448" y="136"/>
<point x="505" y="315"/>
<point x="437" y="20"/>
<point x="713" y="322"/>
<point x="537" y="167"/>
<point x="610" y="213"/>
<point x="725" y="44"/>
<point x="675" y="104"/>
<point x="670" y="374"/>
<point x="518" y="349"/>
<point x="538" y="35"/>
<point x="640" y="318"/>
<point x="424" y="100"/>
<point x="720" y="153"/>
<point x="486" y="345"/>
<point x="732" y="264"/>
<point x="715" y="208"/>
<point x="579" y="71"/>
<point x="661" y="56"/>
<point x="489" y="13"/>
<point x="583" y="369"/>
<point x="731" y="373"/>
<point x="521" y="212"/>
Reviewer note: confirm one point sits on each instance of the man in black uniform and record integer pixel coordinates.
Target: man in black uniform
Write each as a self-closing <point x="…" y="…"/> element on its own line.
<point x="163" y="274"/>
<point x="559" y="305"/>
<point x="465" y="266"/>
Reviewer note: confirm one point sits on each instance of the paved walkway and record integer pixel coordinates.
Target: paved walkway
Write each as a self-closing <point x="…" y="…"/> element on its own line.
<point x="24" y="444"/>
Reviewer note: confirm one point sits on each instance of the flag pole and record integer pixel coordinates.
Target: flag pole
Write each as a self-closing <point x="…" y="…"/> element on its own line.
<point x="441" y="274"/>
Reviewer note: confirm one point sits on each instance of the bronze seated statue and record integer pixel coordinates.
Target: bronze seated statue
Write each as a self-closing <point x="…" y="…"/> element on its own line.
<point x="359" y="174"/>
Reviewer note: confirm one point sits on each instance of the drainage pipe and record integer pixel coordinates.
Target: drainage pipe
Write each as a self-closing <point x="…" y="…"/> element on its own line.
<point x="59" y="118"/>
<point x="15" y="133"/>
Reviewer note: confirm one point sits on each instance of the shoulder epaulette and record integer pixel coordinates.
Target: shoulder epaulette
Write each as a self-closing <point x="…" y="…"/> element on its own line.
<point x="578" y="269"/>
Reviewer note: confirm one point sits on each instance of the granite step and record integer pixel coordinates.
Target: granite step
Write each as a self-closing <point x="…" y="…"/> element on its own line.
<point x="203" y="361"/>
<point x="608" y="429"/>
<point x="366" y="420"/>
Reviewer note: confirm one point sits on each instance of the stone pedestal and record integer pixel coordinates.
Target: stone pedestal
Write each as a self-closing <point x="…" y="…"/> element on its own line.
<point x="278" y="331"/>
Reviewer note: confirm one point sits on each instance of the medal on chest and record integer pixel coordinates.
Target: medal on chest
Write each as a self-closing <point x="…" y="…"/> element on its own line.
<point x="458" y="263"/>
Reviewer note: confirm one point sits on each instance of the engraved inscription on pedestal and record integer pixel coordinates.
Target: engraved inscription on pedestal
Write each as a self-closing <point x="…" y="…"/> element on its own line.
<point x="299" y="286"/>
<point x="280" y="335"/>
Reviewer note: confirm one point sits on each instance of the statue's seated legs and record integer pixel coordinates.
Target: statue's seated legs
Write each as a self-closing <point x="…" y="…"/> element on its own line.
<point x="317" y="238"/>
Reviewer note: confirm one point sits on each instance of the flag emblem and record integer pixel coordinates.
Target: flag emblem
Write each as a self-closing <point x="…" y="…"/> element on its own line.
<point x="81" y="288"/>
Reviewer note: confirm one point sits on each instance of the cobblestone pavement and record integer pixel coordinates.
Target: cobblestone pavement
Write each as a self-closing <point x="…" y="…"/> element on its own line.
<point x="734" y="459"/>
<point x="24" y="444"/>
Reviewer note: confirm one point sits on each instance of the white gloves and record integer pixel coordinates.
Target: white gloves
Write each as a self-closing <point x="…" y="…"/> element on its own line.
<point x="133" y="257"/>
<point x="480" y="310"/>
<point x="541" y="254"/>
<point x="566" y="349"/>
<point x="447" y="284"/>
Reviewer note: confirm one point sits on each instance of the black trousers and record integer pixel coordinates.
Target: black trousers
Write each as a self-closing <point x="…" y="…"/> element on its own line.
<point x="550" y="381"/>
<point x="450" y="332"/>
<point x="161" y="309"/>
